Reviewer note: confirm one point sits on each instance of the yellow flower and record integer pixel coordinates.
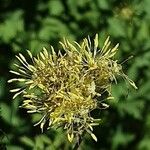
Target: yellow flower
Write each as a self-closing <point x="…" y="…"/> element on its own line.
<point x="65" y="88"/>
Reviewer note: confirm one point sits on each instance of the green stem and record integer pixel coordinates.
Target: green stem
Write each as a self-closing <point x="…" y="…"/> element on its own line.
<point x="78" y="143"/>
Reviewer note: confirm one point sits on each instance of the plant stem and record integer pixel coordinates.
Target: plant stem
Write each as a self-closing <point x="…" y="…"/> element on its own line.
<point x="78" y="143"/>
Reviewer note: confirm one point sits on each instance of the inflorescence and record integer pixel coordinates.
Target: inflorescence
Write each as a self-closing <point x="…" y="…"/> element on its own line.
<point x="65" y="87"/>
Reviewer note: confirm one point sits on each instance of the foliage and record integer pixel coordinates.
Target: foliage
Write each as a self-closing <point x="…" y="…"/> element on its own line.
<point x="36" y="24"/>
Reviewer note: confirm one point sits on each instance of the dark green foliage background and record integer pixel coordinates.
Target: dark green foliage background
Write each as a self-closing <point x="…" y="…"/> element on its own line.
<point x="32" y="24"/>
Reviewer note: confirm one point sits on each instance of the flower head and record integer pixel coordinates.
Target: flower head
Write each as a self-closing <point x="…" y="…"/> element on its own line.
<point x="65" y="88"/>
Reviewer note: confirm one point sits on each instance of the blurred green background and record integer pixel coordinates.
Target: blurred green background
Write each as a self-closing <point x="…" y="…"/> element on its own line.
<point x="32" y="24"/>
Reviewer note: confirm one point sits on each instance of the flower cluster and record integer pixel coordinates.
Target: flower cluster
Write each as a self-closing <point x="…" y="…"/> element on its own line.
<point x="66" y="86"/>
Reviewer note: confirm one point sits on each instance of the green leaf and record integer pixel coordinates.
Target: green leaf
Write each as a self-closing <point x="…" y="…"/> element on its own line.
<point x="144" y="144"/>
<point x="11" y="26"/>
<point x="39" y="142"/>
<point x="6" y="112"/>
<point x="14" y="147"/>
<point x="2" y="86"/>
<point x="27" y="141"/>
<point x="55" y="7"/>
<point x="117" y="28"/>
<point x="103" y="4"/>
<point x="120" y="138"/>
<point x="133" y="108"/>
<point x="52" y="28"/>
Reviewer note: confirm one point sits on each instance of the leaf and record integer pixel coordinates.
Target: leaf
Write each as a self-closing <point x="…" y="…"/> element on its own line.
<point x="144" y="144"/>
<point x="6" y="113"/>
<point x="11" y="26"/>
<point x="27" y="141"/>
<point x="120" y="138"/>
<point x="55" y="7"/>
<point x="116" y="27"/>
<point x="2" y="86"/>
<point x="103" y="4"/>
<point x="39" y="143"/>
<point x="46" y="139"/>
<point x="14" y="147"/>
<point x="133" y="108"/>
